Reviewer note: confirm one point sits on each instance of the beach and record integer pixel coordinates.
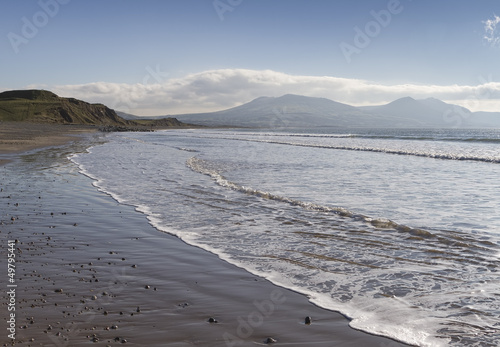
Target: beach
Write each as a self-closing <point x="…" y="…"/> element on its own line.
<point x="91" y="270"/>
<point x="19" y="137"/>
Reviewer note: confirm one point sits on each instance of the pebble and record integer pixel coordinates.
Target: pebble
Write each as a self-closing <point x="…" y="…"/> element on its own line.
<point x="270" y="340"/>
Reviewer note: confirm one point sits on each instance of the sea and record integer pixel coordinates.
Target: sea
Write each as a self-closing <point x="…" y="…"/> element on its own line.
<point x="397" y="229"/>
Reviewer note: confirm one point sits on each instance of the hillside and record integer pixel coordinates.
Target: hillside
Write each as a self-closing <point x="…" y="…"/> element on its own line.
<point x="41" y="106"/>
<point x="484" y="120"/>
<point x="425" y="113"/>
<point x="46" y="107"/>
<point x="265" y="112"/>
<point x="301" y="111"/>
<point x="286" y="111"/>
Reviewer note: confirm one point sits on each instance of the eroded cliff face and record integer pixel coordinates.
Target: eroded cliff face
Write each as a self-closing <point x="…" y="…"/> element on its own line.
<point x="80" y="112"/>
<point x="45" y="106"/>
<point x="42" y="106"/>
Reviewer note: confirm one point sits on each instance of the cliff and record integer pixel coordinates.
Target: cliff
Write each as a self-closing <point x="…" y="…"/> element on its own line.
<point x="46" y="107"/>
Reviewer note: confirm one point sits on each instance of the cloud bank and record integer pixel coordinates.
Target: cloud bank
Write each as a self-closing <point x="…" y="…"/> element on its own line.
<point x="220" y="89"/>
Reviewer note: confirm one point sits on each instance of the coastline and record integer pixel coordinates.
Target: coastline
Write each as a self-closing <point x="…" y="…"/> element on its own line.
<point x="103" y="274"/>
<point x="17" y="138"/>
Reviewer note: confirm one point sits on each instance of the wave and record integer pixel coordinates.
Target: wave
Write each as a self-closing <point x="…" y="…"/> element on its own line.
<point x="383" y="270"/>
<point x="492" y="136"/>
<point x="442" y="156"/>
<point x="447" y="238"/>
<point x="398" y="258"/>
<point x="427" y="150"/>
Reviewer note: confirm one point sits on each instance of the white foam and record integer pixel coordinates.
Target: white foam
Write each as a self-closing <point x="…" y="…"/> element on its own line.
<point x="134" y="173"/>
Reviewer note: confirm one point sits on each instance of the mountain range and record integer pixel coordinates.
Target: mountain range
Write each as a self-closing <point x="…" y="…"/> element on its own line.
<point x="302" y="111"/>
<point x="264" y="112"/>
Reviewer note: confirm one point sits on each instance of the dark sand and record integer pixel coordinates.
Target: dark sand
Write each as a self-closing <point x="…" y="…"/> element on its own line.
<point x="18" y="137"/>
<point x="93" y="272"/>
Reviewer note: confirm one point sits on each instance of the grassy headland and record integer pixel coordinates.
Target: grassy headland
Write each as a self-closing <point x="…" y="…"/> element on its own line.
<point x="32" y="119"/>
<point x="41" y="106"/>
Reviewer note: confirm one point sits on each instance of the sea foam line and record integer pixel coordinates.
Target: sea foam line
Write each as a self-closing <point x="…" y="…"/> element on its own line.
<point x="201" y="166"/>
<point x="385" y="150"/>
<point x="439" y="156"/>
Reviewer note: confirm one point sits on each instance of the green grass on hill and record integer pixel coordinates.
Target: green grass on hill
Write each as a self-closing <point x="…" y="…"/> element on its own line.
<point x="41" y="106"/>
<point x="47" y="107"/>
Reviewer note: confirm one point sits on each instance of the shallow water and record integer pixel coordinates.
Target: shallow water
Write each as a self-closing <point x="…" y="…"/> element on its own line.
<point x="398" y="230"/>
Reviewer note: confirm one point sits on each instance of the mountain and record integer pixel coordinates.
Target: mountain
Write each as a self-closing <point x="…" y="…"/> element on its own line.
<point x="287" y="111"/>
<point x="301" y="111"/>
<point x="423" y="113"/>
<point x="264" y="112"/>
<point x="128" y="116"/>
<point x="484" y="120"/>
<point x="43" y="106"/>
<point x="432" y="112"/>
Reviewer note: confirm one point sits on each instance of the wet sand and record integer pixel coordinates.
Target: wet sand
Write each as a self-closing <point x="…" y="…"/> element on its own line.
<point x="18" y="137"/>
<point x="90" y="271"/>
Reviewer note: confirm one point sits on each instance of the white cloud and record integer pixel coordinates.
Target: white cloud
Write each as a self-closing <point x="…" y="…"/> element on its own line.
<point x="220" y="89"/>
<point x="492" y="31"/>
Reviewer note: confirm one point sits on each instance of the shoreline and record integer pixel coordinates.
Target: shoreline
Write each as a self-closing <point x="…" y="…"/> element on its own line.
<point x="103" y="274"/>
<point x="18" y="138"/>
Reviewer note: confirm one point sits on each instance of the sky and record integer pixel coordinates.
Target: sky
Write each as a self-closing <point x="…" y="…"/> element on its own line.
<point x="167" y="57"/>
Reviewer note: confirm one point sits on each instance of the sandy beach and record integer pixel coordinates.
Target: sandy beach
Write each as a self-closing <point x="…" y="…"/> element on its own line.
<point x="19" y="137"/>
<point x="90" y="271"/>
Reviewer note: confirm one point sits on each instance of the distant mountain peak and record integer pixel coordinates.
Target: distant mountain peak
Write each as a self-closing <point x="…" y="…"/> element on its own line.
<point x="291" y="110"/>
<point x="406" y="99"/>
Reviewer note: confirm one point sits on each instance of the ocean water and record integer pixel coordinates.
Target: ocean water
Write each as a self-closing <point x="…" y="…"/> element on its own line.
<point x="399" y="230"/>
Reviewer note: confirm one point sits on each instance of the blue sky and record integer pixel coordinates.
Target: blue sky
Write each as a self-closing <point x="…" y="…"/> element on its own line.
<point x="173" y="56"/>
